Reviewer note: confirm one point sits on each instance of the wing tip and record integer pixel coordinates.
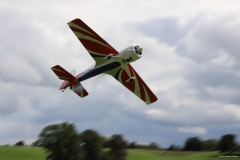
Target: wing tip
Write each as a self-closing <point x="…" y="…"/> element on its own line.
<point x="54" y="66"/>
<point x="76" y="19"/>
<point x="150" y="102"/>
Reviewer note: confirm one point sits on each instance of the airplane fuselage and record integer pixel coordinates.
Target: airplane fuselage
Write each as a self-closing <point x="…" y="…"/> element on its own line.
<point x="125" y="56"/>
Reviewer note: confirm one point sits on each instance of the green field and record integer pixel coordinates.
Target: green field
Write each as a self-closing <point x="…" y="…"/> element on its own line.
<point x="37" y="153"/>
<point x="173" y="155"/>
<point x="22" y="153"/>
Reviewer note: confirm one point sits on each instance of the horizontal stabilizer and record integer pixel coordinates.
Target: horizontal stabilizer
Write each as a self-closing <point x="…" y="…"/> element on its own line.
<point x="79" y="89"/>
<point x="62" y="73"/>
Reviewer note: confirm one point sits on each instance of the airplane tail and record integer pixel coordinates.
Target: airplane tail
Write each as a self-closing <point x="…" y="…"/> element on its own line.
<point x="69" y="81"/>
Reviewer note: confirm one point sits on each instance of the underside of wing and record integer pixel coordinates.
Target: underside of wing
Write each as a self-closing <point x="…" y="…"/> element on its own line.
<point x="137" y="86"/>
<point x="97" y="47"/>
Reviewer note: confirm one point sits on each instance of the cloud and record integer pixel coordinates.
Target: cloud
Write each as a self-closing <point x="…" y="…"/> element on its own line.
<point x="166" y="30"/>
<point x="18" y="66"/>
<point x="210" y="38"/>
<point x="193" y="130"/>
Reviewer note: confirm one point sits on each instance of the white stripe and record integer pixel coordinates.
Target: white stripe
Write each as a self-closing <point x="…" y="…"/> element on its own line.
<point x="120" y="75"/>
<point x="125" y="67"/>
<point x="147" y="98"/>
<point x="95" y="53"/>
<point x="137" y="87"/>
<point x="58" y="70"/>
<point x="81" y="93"/>
<point x="64" y="78"/>
<point x="78" y="27"/>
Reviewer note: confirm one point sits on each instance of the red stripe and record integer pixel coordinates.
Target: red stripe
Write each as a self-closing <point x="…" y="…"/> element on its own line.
<point x="85" y="93"/>
<point x="83" y="25"/>
<point x="96" y="47"/>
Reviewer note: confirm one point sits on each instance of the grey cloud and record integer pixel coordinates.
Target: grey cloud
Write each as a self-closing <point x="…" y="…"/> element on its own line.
<point x="200" y="38"/>
<point x="166" y="30"/>
<point x="33" y="47"/>
<point x="212" y="44"/>
<point x="209" y="36"/>
<point x="213" y="78"/>
<point x="224" y="33"/>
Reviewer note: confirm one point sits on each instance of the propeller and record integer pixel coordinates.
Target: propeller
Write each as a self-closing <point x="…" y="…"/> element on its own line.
<point x="139" y="49"/>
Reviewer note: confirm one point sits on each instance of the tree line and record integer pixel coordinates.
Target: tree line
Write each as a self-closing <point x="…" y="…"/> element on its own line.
<point x="63" y="142"/>
<point x="226" y="144"/>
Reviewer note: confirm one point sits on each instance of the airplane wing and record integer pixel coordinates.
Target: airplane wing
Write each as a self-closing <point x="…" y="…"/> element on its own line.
<point x="97" y="47"/>
<point x="137" y="86"/>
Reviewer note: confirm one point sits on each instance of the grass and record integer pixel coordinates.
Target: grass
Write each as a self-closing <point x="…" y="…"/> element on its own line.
<point x="37" y="153"/>
<point x="22" y="153"/>
<point x="172" y="155"/>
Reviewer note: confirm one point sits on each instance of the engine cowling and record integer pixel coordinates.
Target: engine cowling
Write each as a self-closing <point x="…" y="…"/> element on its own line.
<point x="131" y="54"/>
<point x="138" y="50"/>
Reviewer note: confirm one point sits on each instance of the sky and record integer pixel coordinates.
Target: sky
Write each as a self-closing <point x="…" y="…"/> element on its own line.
<point x="191" y="61"/>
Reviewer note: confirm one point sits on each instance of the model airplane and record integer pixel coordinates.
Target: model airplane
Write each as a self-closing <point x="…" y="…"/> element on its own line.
<point x="108" y="60"/>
